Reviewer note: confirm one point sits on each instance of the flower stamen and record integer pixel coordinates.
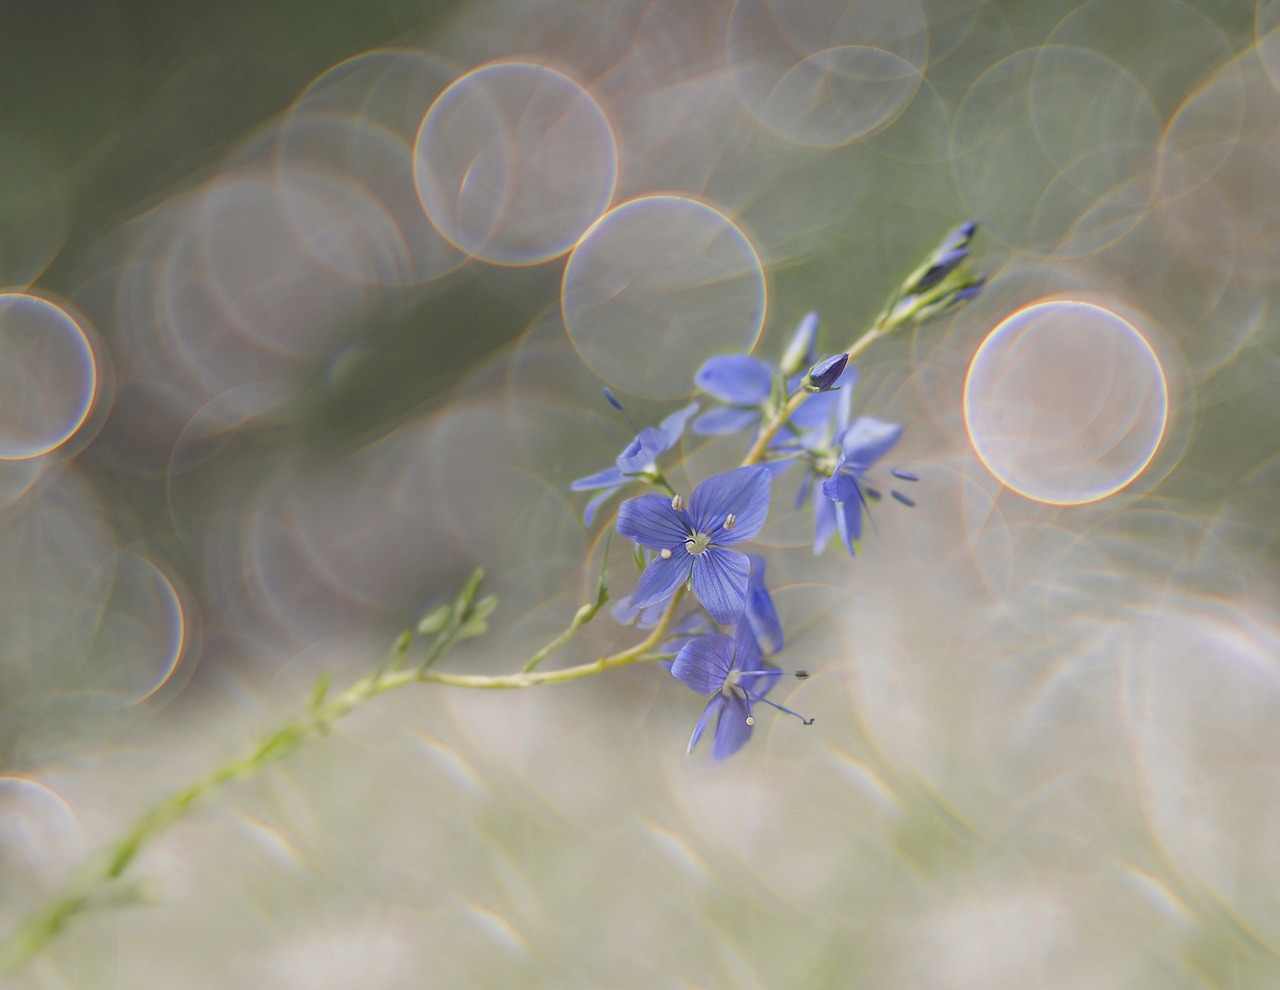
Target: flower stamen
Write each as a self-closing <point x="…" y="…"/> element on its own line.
<point x="698" y="544"/>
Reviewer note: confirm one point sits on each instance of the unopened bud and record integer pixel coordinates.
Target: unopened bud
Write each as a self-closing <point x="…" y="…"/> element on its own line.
<point x="824" y="375"/>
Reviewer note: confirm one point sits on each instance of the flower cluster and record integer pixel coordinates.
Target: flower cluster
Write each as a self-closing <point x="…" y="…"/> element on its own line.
<point x="797" y="411"/>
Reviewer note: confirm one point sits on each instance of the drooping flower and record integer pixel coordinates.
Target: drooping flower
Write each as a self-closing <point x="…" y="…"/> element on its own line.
<point x="638" y="461"/>
<point x="845" y="492"/>
<point x="731" y="670"/>
<point x="760" y="614"/>
<point x="693" y="545"/>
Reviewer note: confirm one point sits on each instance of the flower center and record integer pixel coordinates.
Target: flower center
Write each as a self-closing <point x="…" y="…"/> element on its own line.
<point x="698" y="545"/>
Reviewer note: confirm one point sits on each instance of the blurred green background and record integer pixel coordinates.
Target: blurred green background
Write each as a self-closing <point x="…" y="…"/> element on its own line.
<point x="1046" y="736"/>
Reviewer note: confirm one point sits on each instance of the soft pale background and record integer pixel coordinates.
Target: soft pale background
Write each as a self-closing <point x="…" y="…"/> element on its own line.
<point x="1045" y="752"/>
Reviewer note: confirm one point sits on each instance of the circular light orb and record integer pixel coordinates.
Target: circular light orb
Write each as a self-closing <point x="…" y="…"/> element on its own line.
<point x="655" y="287"/>
<point x="826" y="73"/>
<point x="513" y="162"/>
<point x="1065" y="402"/>
<point x="48" y="376"/>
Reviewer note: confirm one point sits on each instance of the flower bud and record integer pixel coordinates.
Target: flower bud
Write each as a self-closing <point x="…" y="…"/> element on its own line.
<point x="824" y="375"/>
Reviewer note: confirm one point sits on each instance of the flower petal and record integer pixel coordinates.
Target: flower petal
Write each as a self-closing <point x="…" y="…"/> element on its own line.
<point x="661" y="578"/>
<point x="642" y="451"/>
<point x="867" y="440"/>
<point x="849" y="522"/>
<point x="725" y="419"/>
<point x="824" y="520"/>
<point x="761" y="614"/>
<point x="720" y="582"/>
<point x="703" y="664"/>
<point x="673" y="426"/>
<point x="650" y="521"/>
<point x="744" y="492"/>
<point x="589" y="513"/>
<point x="736" y="378"/>
<point x="732" y="730"/>
<point x="608" y="478"/>
<point x="713" y="706"/>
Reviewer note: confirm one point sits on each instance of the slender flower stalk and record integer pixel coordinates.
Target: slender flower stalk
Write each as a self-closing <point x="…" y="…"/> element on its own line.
<point x="940" y="283"/>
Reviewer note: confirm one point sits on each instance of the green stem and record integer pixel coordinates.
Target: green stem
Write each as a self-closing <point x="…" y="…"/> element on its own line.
<point x="36" y="931"/>
<point x="770" y="429"/>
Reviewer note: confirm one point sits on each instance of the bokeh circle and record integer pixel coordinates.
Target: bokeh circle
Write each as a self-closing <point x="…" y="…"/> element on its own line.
<point x="48" y="376"/>
<point x="513" y="162"/>
<point x="655" y="287"/>
<point x="1065" y="402"/>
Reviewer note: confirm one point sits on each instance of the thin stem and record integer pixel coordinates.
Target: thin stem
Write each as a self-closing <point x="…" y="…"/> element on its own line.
<point x="770" y="429"/>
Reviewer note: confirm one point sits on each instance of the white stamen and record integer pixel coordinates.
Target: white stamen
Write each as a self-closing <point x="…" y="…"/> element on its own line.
<point x="664" y="553"/>
<point x="677" y="503"/>
<point x="730" y="521"/>
<point x="751" y="720"/>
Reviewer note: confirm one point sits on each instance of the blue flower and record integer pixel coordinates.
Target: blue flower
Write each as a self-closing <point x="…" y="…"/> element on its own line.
<point x="693" y="545"/>
<point x="745" y="384"/>
<point x="863" y="443"/>
<point x="731" y="670"/>
<point x="638" y="460"/>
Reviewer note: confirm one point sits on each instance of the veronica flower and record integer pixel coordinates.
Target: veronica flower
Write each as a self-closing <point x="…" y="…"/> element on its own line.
<point x="745" y="383"/>
<point x="732" y="671"/>
<point x="638" y="460"/>
<point x="846" y="493"/>
<point x="692" y="546"/>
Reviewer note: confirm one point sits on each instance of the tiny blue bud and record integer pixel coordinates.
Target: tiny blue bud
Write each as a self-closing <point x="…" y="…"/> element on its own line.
<point x="958" y="238"/>
<point x="943" y="265"/>
<point x="969" y="291"/>
<point x="613" y="399"/>
<point x="824" y="374"/>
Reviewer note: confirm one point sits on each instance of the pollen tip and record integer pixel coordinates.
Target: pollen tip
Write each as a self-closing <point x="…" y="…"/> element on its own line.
<point x="677" y="503"/>
<point x="664" y="553"/>
<point x="751" y="720"/>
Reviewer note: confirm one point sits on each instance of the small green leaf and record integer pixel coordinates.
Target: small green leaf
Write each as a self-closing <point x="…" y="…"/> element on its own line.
<point x="468" y="593"/>
<point x="435" y="620"/>
<point x="473" y="627"/>
<point x="637" y="556"/>
<point x="484" y="607"/>
<point x="319" y="689"/>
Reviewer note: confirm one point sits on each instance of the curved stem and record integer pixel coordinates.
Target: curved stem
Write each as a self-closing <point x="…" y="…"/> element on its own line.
<point x="770" y="429"/>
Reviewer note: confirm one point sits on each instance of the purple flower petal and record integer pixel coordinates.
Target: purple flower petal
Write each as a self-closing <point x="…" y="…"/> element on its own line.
<point x="673" y="426"/>
<point x="720" y="582"/>
<point x="849" y="522"/>
<point x="732" y="730"/>
<point x="726" y="419"/>
<point x="713" y="707"/>
<point x="703" y="664"/>
<point x="650" y="521"/>
<point x="867" y="440"/>
<point x="736" y="378"/>
<point x="589" y="513"/>
<point x="642" y="451"/>
<point x="608" y="478"/>
<point x="744" y="492"/>
<point x="760" y="613"/>
<point x="661" y="578"/>
<point x="824" y="520"/>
